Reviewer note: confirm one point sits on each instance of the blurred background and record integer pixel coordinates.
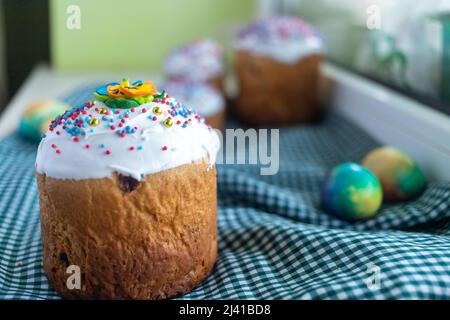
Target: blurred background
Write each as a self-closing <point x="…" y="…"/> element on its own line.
<point x="387" y="81"/>
<point x="402" y="46"/>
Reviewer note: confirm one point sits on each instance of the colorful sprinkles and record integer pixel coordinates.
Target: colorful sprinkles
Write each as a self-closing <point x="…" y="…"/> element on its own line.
<point x="283" y="28"/>
<point x="200" y="59"/>
<point x="86" y="119"/>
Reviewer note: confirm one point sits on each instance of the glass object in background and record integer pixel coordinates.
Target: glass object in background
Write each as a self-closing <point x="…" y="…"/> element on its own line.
<point x="444" y="21"/>
<point x="406" y="49"/>
<point x="2" y="61"/>
<point x="403" y="44"/>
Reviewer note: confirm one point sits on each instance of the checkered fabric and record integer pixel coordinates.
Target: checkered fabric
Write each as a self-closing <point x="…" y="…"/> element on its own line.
<point x="274" y="240"/>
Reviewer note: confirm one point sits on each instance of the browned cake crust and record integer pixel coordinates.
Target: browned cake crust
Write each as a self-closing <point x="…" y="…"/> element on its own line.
<point x="274" y="93"/>
<point x="218" y="83"/>
<point x="217" y="121"/>
<point x="149" y="240"/>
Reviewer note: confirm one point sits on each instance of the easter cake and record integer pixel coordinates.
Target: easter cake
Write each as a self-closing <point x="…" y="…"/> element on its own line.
<point x="277" y="64"/>
<point x="127" y="193"/>
<point x="199" y="60"/>
<point x="205" y="99"/>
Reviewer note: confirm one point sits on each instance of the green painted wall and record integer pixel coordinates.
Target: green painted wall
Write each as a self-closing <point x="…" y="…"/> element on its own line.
<point x="137" y="34"/>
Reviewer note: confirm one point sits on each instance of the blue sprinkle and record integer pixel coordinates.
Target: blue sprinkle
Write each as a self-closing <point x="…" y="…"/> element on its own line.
<point x="140" y="148"/>
<point x="102" y="146"/>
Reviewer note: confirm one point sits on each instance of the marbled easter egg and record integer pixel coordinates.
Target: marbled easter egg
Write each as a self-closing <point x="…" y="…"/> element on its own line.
<point x="36" y="118"/>
<point x="351" y="192"/>
<point x="400" y="176"/>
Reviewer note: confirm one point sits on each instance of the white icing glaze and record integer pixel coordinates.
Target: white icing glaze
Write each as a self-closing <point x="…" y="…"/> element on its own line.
<point x="155" y="146"/>
<point x="203" y="98"/>
<point x="200" y="60"/>
<point x="285" y="39"/>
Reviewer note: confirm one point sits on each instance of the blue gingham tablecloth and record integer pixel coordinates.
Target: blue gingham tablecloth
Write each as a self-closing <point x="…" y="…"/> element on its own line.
<point x="274" y="240"/>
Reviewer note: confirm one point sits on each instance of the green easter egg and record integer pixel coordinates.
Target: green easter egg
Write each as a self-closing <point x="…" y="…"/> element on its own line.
<point x="36" y="118"/>
<point x="400" y="176"/>
<point x="351" y="192"/>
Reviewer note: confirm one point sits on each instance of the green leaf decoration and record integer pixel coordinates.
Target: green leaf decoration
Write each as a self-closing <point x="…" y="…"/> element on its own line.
<point x="100" y="97"/>
<point x="121" y="103"/>
<point x="160" y="96"/>
<point x="143" y="99"/>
